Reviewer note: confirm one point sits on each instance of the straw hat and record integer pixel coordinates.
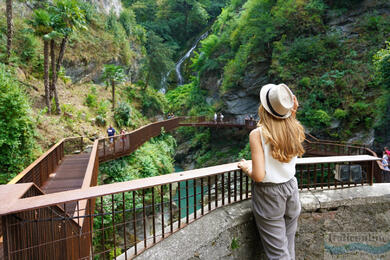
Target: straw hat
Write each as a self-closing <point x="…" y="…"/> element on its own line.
<point x="278" y="100"/>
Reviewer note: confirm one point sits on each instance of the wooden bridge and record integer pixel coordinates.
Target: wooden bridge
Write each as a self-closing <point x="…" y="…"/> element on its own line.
<point x="52" y="210"/>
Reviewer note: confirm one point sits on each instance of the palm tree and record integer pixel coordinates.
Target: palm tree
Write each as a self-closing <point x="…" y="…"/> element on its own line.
<point x="67" y="17"/>
<point x="113" y="74"/>
<point x="41" y="22"/>
<point x="9" y="28"/>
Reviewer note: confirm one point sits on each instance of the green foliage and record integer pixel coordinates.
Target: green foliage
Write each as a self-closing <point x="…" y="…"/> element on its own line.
<point x="17" y="136"/>
<point x="113" y="74"/>
<point x="28" y="46"/>
<point x="153" y="102"/>
<point x="245" y="153"/>
<point x="235" y="243"/>
<point x="340" y="114"/>
<point x="158" y="60"/>
<point x="382" y="65"/>
<point x="100" y="120"/>
<point x="151" y="159"/>
<point x="317" y="119"/>
<point x="122" y="114"/>
<point x="175" y="21"/>
<point x="91" y="98"/>
<point x="203" y="61"/>
<point x="188" y="99"/>
<point x="102" y="108"/>
<point x="127" y="19"/>
<point x="67" y="16"/>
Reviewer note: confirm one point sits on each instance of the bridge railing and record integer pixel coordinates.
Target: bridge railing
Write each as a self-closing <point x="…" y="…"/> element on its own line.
<point x="120" y="145"/>
<point x="123" y="219"/>
<point x="39" y="171"/>
<point x="210" y="121"/>
<point x="329" y="148"/>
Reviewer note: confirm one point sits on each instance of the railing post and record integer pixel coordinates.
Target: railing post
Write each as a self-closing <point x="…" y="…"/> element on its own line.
<point x="104" y="148"/>
<point x="5" y="238"/>
<point x="372" y="173"/>
<point x="40" y="172"/>
<point x="114" y="146"/>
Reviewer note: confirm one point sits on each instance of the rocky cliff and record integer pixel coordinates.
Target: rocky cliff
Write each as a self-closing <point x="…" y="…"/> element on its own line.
<point x="108" y="6"/>
<point x="336" y="73"/>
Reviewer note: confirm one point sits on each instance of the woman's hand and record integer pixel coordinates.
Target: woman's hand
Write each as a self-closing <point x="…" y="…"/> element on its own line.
<point x="244" y="166"/>
<point x="295" y="106"/>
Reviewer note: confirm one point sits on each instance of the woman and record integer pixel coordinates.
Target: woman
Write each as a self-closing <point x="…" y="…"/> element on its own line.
<point x="385" y="160"/>
<point x="275" y="145"/>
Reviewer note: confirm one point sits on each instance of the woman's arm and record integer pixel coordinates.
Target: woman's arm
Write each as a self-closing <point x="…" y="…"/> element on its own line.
<point x="295" y="107"/>
<point x="258" y="167"/>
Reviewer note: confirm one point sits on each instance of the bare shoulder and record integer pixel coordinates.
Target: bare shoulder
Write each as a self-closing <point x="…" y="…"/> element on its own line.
<point x="254" y="137"/>
<point x="254" y="134"/>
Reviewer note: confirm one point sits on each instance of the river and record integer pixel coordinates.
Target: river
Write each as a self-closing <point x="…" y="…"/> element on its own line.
<point x="191" y="202"/>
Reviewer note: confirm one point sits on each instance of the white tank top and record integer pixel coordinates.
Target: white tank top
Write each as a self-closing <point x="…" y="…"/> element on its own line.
<point x="276" y="171"/>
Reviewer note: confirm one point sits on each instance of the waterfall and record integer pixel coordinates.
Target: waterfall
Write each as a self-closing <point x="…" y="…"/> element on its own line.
<point x="178" y="65"/>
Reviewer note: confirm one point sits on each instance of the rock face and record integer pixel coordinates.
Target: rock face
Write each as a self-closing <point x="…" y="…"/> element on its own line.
<point x="107" y="6"/>
<point x="243" y="99"/>
<point x="230" y="232"/>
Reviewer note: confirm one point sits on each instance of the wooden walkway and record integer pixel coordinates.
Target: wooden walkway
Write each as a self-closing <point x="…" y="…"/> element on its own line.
<point x="69" y="175"/>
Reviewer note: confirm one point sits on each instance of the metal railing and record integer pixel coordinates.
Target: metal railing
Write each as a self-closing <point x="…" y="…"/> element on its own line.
<point x="210" y="122"/>
<point x="110" y="148"/>
<point x="330" y="148"/>
<point x="123" y="219"/>
<point x="131" y="216"/>
<point x="39" y="171"/>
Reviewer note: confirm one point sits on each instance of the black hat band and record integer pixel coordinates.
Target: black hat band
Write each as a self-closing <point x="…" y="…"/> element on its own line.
<point x="270" y="106"/>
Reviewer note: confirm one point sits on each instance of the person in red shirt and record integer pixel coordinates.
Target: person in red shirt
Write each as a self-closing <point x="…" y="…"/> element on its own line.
<point x="387" y="151"/>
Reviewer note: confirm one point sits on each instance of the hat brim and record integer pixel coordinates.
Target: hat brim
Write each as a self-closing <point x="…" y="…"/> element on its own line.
<point x="263" y="101"/>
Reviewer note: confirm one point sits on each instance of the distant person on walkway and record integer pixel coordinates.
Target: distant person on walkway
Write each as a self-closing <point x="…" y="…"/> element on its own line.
<point x="123" y="137"/>
<point x="111" y="132"/>
<point x="385" y="161"/>
<point x="221" y="116"/>
<point x="387" y="151"/>
<point x="215" y="117"/>
<point x="275" y="145"/>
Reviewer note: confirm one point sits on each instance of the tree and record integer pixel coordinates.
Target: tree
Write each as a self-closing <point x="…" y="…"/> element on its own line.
<point x="67" y="17"/>
<point x="9" y="28"/>
<point x="112" y="75"/>
<point x="158" y="60"/>
<point x="42" y="25"/>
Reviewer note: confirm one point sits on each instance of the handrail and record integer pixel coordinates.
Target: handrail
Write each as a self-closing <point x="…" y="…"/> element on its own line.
<point x="27" y="170"/>
<point x="107" y="189"/>
<point x="311" y="172"/>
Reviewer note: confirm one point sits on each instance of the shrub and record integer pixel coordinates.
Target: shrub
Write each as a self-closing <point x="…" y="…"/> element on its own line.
<point x="100" y="120"/>
<point x="340" y="113"/>
<point x="103" y="107"/>
<point x="17" y="129"/>
<point x="153" y="102"/>
<point x="28" y="46"/>
<point x="317" y="119"/>
<point x="305" y="82"/>
<point x="91" y="100"/>
<point x="122" y="114"/>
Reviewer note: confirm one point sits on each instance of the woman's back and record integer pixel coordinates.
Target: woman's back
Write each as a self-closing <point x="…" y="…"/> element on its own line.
<point x="276" y="171"/>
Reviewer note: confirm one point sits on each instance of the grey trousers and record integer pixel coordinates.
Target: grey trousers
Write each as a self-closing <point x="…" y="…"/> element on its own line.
<point x="276" y="208"/>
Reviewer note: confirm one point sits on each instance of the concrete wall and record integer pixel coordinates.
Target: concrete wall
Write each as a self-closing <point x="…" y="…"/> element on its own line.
<point x="230" y="232"/>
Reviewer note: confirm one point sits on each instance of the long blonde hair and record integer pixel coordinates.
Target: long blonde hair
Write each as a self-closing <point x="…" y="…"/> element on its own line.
<point x="285" y="136"/>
